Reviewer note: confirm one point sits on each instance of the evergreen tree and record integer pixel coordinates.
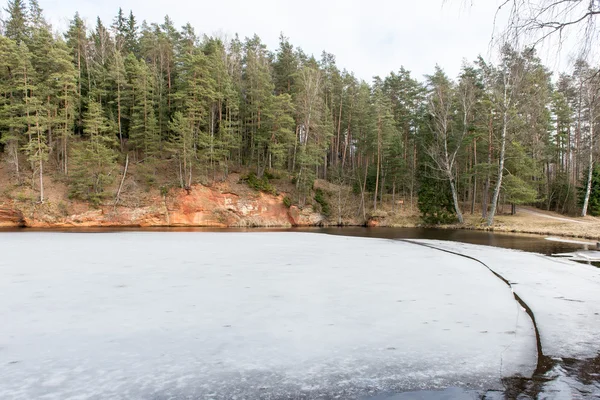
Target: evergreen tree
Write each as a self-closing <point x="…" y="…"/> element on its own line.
<point x="63" y="87"/>
<point x="16" y="25"/>
<point x="131" y="35"/>
<point x="93" y="160"/>
<point x="77" y="42"/>
<point x="143" y="130"/>
<point x="594" y="197"/>
<point x="285" y="67"/>
<point x="11" y="122"/>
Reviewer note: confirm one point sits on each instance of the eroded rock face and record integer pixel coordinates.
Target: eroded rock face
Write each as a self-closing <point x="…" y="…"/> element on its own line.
<point x="11" y="218"/>
<point x="305" y="217"/>
<point x="199" y="206"/>
<point x="205" y="206"/>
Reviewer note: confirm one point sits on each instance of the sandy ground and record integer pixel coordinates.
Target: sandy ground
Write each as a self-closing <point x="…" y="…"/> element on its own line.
<point x="527" y="220"/>
<point x="530" y="220"/>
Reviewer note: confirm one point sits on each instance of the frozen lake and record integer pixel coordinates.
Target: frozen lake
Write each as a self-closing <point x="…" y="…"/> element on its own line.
<point x="170" y="315"/>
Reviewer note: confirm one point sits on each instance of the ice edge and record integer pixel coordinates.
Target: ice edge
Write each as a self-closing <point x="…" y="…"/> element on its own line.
<point x="544" y="363"/>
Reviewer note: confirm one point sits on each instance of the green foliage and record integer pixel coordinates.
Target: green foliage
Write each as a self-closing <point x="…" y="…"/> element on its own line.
<point x="518" y="191"/>
<point x="287" y="201"/>
<point x="273" y="174"/>
<point x="435" y="200"/>
<point x="164" y="190"/>
<point x="197" y="107"/>
<point x="93" y="160"/>
<point x="322" y="201"/>
<point x="594" y="202"/>
<point x="260" y="184"/>
<point x="16" y="24"/>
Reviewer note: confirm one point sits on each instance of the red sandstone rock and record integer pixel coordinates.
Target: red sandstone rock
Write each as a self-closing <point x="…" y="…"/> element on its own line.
<point x="199" y="206"/>
<point x="11" y="218"/>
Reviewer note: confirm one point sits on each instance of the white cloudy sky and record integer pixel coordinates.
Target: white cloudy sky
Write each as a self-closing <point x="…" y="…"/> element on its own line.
<point x="368" y="37"/>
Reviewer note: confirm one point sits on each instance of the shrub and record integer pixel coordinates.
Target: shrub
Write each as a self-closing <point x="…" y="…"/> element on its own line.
<point x="435" y="201"/>
<point x="260" y="184"/>
<point x="287" y="201"/>
<point x="320" y="198"/>
<point x="273" y="174"/>
<point x="164" y="190"/>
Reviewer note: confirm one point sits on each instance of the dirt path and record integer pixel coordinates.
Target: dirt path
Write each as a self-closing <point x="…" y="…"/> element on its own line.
<point x="541" y="214"/>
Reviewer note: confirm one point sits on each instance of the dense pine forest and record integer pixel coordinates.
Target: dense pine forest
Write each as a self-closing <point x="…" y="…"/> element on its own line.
<point x="79" y="106"/>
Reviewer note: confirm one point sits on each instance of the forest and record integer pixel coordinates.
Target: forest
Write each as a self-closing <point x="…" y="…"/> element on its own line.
<point x="185" y="108"/>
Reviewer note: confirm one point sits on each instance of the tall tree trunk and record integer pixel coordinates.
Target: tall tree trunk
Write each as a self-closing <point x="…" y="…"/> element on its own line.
<point x="486" y="189"/>
<point x="473" y="200"/>
<point x="378" y="163"/>
<point x="41" y="169"/>
<point x="337" y="142"/>
<point x="119" y="115"/>
<point x="588" y="189"/>
<point x="65" y="133"/>
<point x="122" y="180"/>
<point x="455" y="200"/>
<point x="498" y="187"/>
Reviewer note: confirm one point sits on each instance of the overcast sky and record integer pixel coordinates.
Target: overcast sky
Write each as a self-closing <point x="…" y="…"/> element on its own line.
<point x="368" y="37"/>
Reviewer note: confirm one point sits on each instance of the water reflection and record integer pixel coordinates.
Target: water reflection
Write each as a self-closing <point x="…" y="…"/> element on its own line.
<point x="525" y="242"/>
<point x="532" y="243"/>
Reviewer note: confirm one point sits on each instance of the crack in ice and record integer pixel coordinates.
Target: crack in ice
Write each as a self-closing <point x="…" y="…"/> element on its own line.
<point x="544" y="363"/>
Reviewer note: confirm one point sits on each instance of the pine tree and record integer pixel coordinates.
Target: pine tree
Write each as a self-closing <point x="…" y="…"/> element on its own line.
<point x="181" y="145"/>
<point x="94" y="159"/>
<point x="11" y="122"/>
<point x="259" y="90"/>
<point x="15" y="27"/>
<point x="131" y="35"/>
<point x="282" y="126"/>
<point x="285" y="67"/>
<point x="64" y="93"/>
<point x="119" y="27"/>
<point x="76" y="40"/>
<point x="143" y="130"/>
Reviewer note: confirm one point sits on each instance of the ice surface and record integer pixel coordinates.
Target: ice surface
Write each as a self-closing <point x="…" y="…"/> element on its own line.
<point x="563" y="295"/>
<point x="252" y="315"/>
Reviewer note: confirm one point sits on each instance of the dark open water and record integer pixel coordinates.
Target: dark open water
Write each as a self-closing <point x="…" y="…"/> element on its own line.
<point x="525" y="242"/>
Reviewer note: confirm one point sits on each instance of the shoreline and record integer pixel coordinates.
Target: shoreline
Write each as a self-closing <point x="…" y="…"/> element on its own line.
<point x="213" y="228"/>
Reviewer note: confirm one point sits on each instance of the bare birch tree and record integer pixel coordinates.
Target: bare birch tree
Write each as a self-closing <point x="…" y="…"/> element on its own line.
<point x="591" y="102"/>
<point x="509" y="78"/>
<point x="536" y="21"/>
<point x="447" y="140"/>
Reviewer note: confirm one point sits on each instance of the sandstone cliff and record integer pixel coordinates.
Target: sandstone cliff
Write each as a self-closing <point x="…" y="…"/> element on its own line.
<point x="200" y="206"/>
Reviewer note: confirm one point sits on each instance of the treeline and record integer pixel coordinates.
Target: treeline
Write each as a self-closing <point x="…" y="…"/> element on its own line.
<point x="187" y="108"/>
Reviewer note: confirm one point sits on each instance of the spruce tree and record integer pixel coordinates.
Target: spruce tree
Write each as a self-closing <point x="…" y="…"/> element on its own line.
<point x="94" y="159"/>
<point x="16" y="25"/>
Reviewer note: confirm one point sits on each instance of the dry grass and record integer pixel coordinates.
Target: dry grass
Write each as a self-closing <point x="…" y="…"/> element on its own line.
<point x="523" y="222"/>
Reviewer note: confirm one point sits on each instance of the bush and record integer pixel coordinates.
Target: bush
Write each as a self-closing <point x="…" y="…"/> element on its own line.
<point x="287" y="201"/>
<point x="260" y="184"/>
<point x="273" y="174"/>
<point x="435" y="201"/>
<point x="320" y="198"/>
<point x="164" y="190"/>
